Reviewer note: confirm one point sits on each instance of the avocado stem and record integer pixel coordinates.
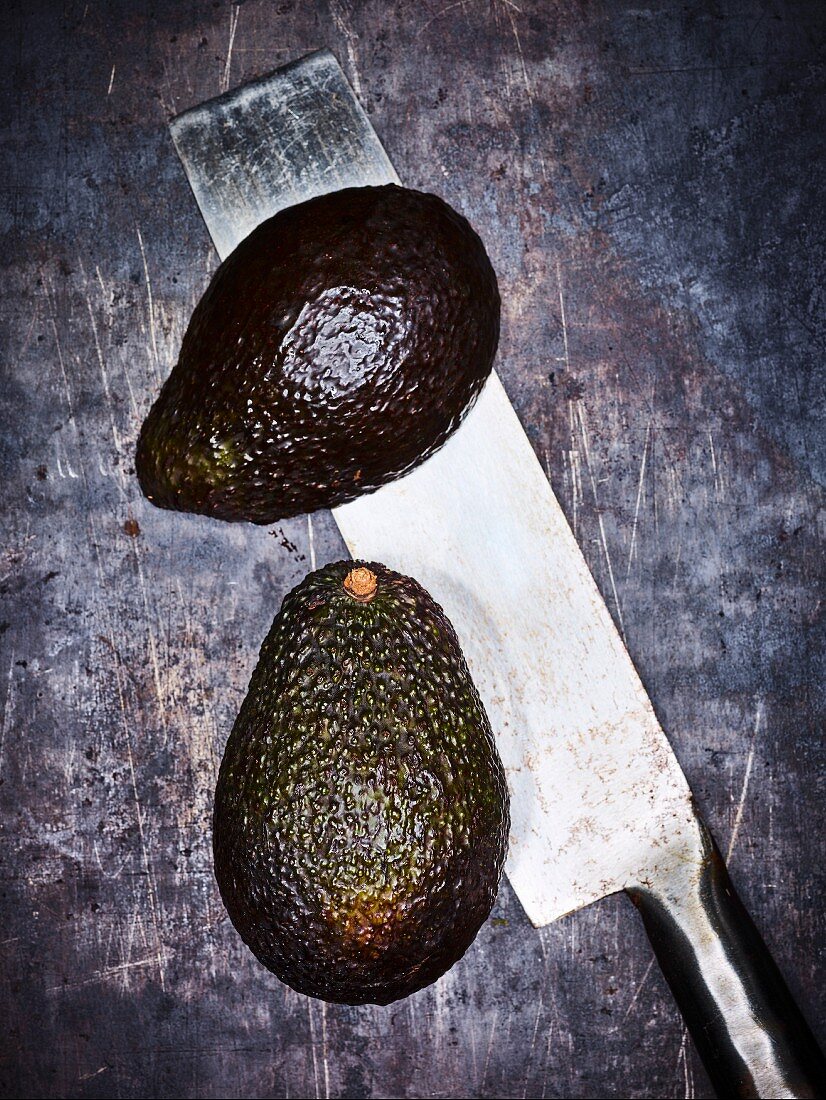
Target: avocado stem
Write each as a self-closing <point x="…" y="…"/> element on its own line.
<point x="360" y="583"/>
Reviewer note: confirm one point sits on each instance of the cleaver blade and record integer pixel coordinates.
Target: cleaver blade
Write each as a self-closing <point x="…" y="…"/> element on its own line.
<point x="599" y="803"/>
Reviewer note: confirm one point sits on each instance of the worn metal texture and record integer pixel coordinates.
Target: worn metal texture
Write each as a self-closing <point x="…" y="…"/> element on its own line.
<point x="648" y="181"/>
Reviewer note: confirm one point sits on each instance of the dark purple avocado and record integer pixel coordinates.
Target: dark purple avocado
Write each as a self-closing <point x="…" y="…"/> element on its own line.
<point x="338" y="346"/>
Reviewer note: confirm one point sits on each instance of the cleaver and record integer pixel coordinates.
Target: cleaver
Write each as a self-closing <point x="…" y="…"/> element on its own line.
<point x="598" y="801"/>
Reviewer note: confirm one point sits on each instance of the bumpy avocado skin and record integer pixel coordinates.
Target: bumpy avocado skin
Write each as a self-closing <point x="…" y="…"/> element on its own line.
<point x="361" y="814"/>
<point x="337" y="347"/>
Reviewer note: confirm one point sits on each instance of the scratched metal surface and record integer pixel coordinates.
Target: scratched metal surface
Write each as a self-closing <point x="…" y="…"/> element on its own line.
<point x="647" y="181"/>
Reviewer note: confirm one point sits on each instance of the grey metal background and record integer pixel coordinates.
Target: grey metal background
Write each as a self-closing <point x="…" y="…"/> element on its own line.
<point x="649" y="183"/>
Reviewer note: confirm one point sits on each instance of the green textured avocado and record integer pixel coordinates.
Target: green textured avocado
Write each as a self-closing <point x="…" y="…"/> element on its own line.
<point x="361" y="814"/>
<point x="336" y="348"/>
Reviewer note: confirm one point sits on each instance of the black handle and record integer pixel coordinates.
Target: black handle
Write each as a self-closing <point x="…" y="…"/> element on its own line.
<point x="748" y="1030"/>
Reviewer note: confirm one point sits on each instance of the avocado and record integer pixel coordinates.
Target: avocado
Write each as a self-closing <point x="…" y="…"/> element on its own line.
<point x="361" y="812"/>
<point x="336" y="348"/>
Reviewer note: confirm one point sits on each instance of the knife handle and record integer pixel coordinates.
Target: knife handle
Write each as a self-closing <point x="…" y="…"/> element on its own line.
<point x="748" y="1031"/>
